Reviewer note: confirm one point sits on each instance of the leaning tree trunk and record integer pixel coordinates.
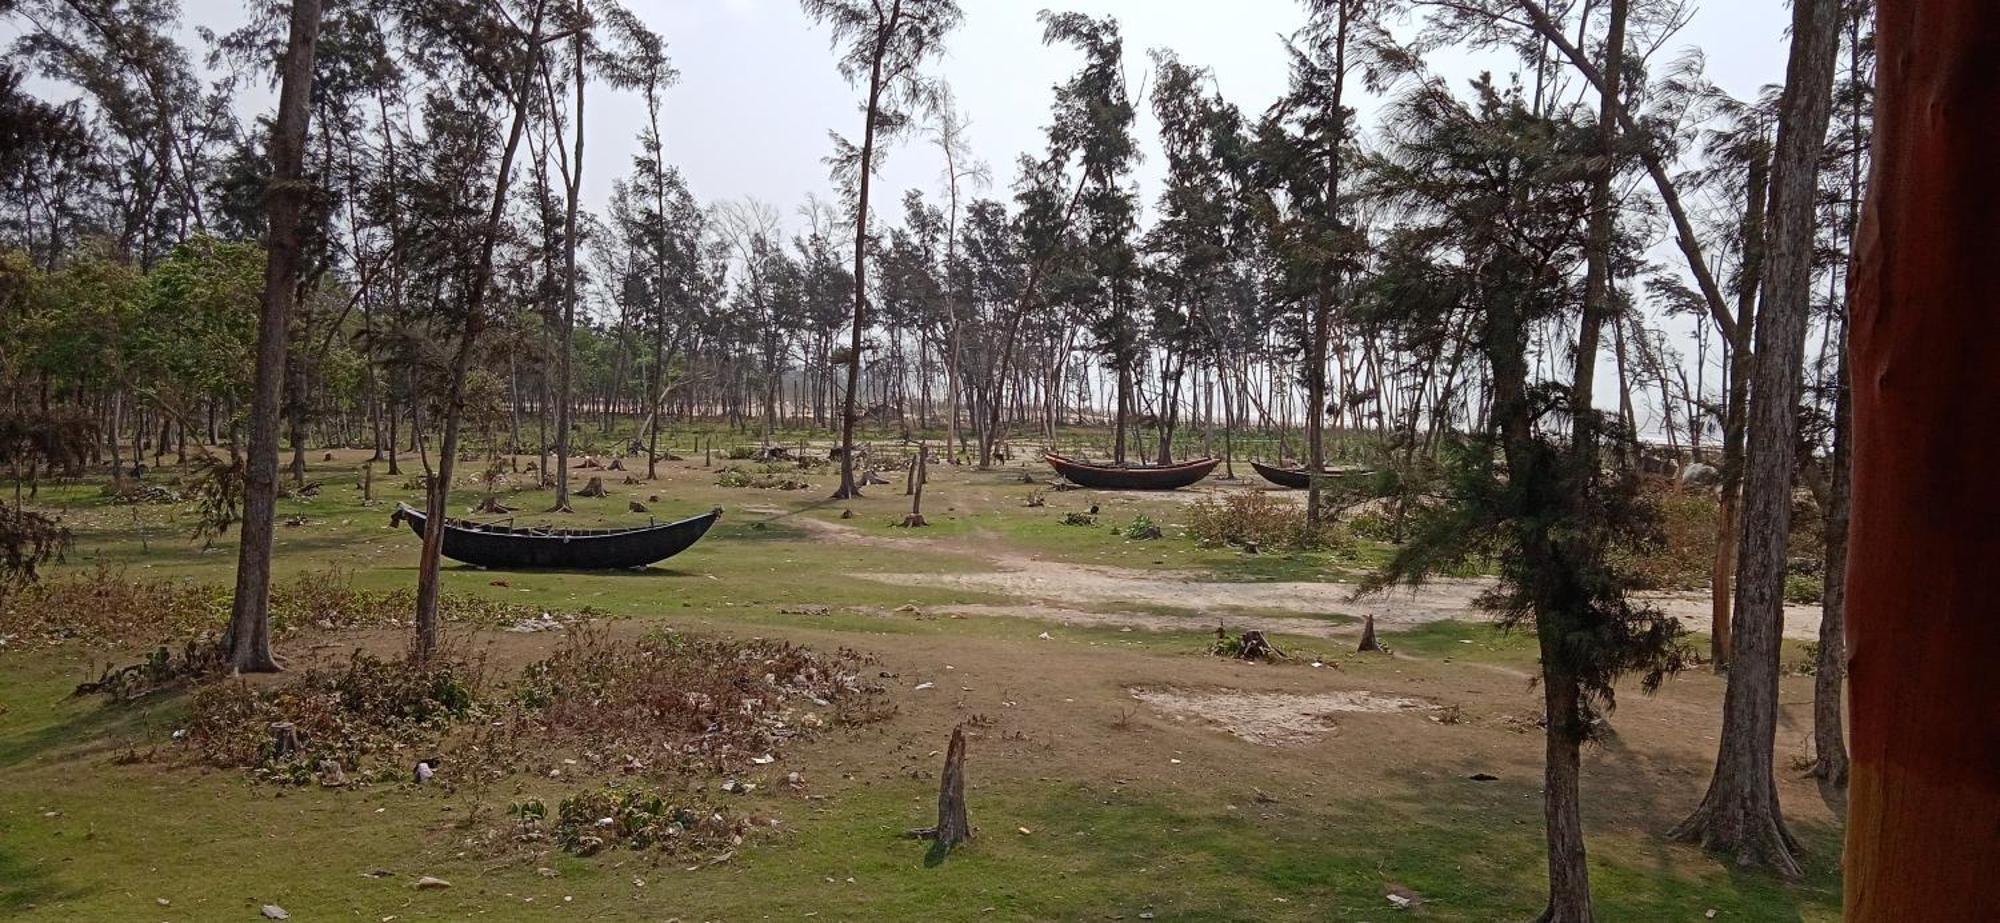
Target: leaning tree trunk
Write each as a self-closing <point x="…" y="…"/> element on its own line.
<point x="1924" y="799"/>
<point x="1740" y="813"/>
<point x="249" y="636"/>
<point x="848" y="488"/>
<point x="1722" y="577"/>
<point x="431" y="555"/>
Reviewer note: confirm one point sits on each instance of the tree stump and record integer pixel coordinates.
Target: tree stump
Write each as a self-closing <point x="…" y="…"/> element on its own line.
<point x="284" y="739"/>
<point x="635" y="506"/>
<point x="491" y="504"/>
<point x="952" y="827"/>
<point x="593" y="489"/>
<point x="1368" y="641"/>
<point x="1256" y="647"/>
<point x="617" y="464"/>
<point x="919" y="473"/>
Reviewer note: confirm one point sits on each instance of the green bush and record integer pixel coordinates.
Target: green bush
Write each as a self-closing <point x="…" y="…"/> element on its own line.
<point x="1254" y="518"/>
<point x="1803" y="589"/>
<point x="1685" y="555"/>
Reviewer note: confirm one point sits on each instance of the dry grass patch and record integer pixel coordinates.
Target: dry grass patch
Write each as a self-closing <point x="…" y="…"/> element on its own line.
<point x="1273" y="719"/>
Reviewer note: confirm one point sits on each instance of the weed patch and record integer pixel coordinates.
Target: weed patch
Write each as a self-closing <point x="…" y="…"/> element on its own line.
<point x="1255" y="519"/>
<point x="678" y="703"/>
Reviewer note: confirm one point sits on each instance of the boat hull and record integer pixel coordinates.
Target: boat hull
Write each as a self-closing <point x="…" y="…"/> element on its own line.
<point x="1299" y="479"/>
<point x="564" y="549"/>
<point x="1109" y="477"/>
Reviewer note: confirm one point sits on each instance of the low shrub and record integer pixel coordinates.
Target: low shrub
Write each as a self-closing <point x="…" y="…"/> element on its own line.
<point x="637" y="818"/>
<point x="373" y="717"/>
<point x="1256" y="519"/>
<point x="106" y="607"/>
<point x="678" y="702"/>
<point x="760" y="476"/>
<point x="1684" y="558"/>
<point x="1803" y="589"/>
<point x="1143" y="528"/>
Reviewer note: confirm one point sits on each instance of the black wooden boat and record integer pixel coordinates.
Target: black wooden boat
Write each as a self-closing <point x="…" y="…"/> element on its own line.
<point x="1131" y="477"/>
<point x="1300" y="479"/>
<point x="509" y="547"/>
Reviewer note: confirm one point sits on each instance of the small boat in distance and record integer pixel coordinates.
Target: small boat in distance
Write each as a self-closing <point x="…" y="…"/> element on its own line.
<point x="1131" y="477"/>
<point x="1300" y="479"/>
<point x="509" y="547"/>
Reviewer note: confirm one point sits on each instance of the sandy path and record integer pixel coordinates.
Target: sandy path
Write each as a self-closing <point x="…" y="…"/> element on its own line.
<point x="1094" y="594"/>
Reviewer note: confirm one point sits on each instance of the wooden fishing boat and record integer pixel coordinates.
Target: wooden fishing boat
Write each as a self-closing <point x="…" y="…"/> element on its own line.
<point x="509" y="547"/>
<point x="1131" y="477"/>
<point x="1300" y="479"/>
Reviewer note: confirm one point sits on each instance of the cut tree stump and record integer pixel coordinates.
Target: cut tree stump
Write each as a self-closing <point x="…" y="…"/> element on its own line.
<point x="492" y="504"/>
<point x="919" y="473"/>
<point x="952" y="827"/>
<point x="593" y="489"/>
<point x="284" y="739"/>
<point x="1368" y="641"/>
<point x="635" y="506"/>
<point x="1256" y="647"/>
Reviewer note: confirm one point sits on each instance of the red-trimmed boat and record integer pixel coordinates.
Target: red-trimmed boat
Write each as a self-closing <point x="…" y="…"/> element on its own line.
<point x="1131" y="477"/>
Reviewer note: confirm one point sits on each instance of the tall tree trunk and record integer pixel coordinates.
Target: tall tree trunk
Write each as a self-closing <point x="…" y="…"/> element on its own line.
<point x="1830" y="667"/>
<point x="1925" y="794"/>
<point x="847" y="486"/>
<point x="249" y="636"/>
<point x="573" y="180"/>
<point x="1562" y="804"/>
<point x="1740" y="814"/>
<point x="438" y="490"/>
<point x="1320" y="326"/>
<point x="1735" y="414"/>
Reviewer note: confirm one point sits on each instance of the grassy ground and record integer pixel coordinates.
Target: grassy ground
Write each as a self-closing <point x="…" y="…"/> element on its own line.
<point x="1089" y="804"/>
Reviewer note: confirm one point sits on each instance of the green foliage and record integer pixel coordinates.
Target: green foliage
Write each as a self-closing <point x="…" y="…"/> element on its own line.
<point x="1803" y="589"/>
<point x="1257" y="519"/>
<point x="637" y="818"/>
<point x="196" y="328"/>
<point x="676" y="701"/>
<point x="1143" y="528"/>
<point x="373" y="715"/>
<point x="1684" y="557"/>
<point x="27" y="540"/>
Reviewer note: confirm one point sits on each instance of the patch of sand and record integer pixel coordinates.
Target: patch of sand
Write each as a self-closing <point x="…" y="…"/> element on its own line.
<point x="1086" y="593"/>
<point x="1273" y="719"/>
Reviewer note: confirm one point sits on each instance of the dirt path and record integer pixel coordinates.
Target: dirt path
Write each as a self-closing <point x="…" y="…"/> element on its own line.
<point x="1099" y="595"/>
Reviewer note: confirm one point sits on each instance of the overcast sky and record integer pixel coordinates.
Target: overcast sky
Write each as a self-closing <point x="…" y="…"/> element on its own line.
<point x="759" y="91"/>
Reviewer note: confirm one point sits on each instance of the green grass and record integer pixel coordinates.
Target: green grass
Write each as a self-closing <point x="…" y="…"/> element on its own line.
<point x="107" y="848"/>
<point x="86" y="834"/>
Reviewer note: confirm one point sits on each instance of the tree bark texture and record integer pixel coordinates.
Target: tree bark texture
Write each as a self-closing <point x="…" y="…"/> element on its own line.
<point x="249" y="638"/>
<point x="1923" y="635"/>
<point x="1740" y="813"/>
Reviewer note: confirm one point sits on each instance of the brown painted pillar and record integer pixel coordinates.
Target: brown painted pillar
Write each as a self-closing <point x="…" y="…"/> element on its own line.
<point x="1923" y="835"/>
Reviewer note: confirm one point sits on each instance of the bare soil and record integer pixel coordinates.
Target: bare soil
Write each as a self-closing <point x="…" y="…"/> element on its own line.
<point x="1082" y="593"/>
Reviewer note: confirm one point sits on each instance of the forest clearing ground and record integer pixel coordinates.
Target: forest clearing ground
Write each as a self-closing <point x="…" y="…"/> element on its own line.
<point x="1151" y="777"/>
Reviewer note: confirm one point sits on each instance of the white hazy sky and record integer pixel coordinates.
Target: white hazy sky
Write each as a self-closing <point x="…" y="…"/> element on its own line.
<point x="759" y="90"/>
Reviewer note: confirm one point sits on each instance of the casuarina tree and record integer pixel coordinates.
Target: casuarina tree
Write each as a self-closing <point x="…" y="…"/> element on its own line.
<point x="249" y="637"/>
<point x="885" y="43"/>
